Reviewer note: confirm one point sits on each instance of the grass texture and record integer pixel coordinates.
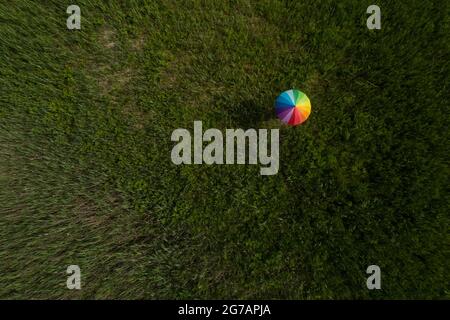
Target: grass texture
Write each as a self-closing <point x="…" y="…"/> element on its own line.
<point x="86" y="176"/>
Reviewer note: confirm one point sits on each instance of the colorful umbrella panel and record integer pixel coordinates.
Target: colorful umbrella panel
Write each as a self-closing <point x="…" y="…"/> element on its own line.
<point x="293" y="107"/>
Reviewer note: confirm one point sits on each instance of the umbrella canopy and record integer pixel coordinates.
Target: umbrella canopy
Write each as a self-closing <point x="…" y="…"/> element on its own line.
<point x="293" y="107"/>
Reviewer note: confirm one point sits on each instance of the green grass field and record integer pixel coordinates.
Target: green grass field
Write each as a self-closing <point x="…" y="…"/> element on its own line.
<point x="85" y="171"/>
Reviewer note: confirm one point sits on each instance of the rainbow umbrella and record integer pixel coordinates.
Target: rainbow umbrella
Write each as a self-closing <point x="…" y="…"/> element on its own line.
<point x="293" y="107"/>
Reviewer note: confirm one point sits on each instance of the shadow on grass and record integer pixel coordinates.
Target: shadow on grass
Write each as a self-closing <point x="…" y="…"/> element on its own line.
<point x="249" y="114"/>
